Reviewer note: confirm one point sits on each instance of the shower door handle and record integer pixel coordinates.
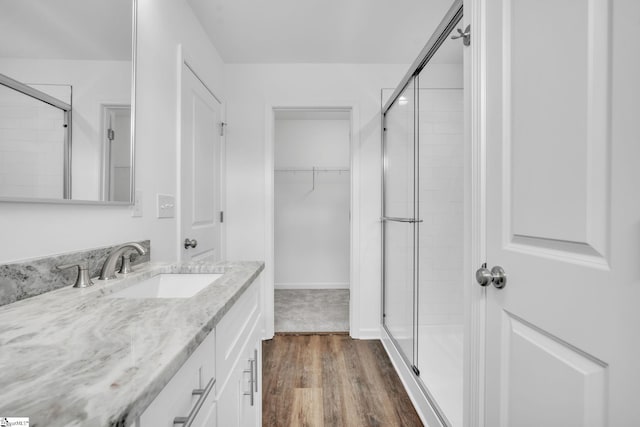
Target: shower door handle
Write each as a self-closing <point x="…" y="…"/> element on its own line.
<point x="396" y="219"/>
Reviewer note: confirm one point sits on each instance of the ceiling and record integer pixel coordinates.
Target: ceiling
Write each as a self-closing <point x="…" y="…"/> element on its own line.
<point x="66" y="29"/>
<point x="243" y="31"/>
<point x="320" y="31"/>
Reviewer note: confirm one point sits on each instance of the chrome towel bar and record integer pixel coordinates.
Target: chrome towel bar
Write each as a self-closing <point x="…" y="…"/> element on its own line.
<point x="396" y="219"/>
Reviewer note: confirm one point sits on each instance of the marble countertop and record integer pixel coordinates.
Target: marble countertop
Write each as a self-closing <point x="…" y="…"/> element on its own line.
<point x="73" y="357"/>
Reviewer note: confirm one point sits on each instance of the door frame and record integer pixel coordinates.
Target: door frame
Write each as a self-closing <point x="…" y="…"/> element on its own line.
<point x="475" y="217"/>
<point x="354" y="251"/>
<point x="105" y="187"/>
<point x="184" y="59"/>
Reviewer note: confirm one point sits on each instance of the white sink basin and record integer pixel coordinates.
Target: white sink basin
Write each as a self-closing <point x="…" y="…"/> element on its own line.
<point x="168" y="286"/>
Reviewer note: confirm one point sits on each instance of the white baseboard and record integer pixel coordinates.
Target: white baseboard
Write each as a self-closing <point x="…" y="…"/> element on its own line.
<point x="317" y="285"/>
<point x="368" y="334"/>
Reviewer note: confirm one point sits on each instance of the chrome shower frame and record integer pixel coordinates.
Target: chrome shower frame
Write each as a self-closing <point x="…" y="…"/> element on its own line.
<point x="446" y="26"/>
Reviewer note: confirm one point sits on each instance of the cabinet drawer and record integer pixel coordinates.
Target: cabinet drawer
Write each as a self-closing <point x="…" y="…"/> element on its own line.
<point x="233" y="332"/>
<point x="176" y="398"/>
<point x="208" y="415"/>
<point x="239" y="399"/>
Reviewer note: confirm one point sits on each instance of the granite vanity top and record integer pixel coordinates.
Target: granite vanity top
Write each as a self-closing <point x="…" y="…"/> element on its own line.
<point x="73" y="357"/>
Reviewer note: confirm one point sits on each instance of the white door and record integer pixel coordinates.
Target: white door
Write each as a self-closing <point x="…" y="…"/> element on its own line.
<point x="200" y="171"/>
<point x="117" y="154"/>
<point x="563" y="213"/>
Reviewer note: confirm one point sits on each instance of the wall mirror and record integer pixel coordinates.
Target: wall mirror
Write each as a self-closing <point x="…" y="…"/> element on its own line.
<point x="67" y="73"/>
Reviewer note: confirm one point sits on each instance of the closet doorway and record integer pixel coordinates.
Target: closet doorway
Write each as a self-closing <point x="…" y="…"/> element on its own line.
<point x="311" y="221"/>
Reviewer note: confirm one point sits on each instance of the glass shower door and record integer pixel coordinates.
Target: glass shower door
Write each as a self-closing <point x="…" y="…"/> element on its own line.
<point x="424" y="220"/>
<point x="440" y="243"/>
<point x="399" y="230"/>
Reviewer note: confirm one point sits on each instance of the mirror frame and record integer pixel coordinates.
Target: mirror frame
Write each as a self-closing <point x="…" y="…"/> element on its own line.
<point x="68" y="154"/>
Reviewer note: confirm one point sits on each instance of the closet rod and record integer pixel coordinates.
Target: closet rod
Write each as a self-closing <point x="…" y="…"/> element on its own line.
<point x="337" y="169"/>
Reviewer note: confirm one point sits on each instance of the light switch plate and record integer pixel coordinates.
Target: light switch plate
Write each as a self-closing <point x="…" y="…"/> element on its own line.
<point x="166" y="206"/>
<point x="136" y="209"/>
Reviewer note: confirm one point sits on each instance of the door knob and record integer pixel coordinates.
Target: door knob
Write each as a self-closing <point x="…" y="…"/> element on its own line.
<point x="497" y="276"/>
<point x="190" y="243"/>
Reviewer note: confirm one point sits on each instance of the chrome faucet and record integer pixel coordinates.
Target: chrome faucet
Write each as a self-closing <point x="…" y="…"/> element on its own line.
<point x="109" y="267"/>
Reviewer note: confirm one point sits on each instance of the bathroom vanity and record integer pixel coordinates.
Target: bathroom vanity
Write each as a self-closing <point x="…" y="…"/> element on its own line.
<point x="106" y="356"/>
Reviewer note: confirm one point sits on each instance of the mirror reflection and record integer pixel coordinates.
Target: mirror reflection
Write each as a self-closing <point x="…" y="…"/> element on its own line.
<point x="66" y="117"/>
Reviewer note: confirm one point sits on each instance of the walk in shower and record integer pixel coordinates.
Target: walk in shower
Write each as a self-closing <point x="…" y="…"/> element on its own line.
<point x="423" y="219"/>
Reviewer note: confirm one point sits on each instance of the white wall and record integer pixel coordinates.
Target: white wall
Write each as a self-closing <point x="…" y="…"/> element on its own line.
<point x="32" y="230"/>
<point x="311" y="231"/>
<point x="305" y="143"/>
<point x="250" y="88"/>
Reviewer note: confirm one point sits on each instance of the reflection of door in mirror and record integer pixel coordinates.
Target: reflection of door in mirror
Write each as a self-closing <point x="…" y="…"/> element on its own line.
<point x="117" y="157"/>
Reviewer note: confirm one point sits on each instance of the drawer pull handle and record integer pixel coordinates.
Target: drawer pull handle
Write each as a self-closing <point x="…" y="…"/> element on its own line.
<point x="251" y="381"/>
<point x="255" y="361"/>
<point x="203" y="393"/>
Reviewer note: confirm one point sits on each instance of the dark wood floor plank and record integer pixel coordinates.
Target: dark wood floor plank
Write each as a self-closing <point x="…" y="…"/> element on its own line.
<point x="355" y="382"/>
<point x="332" y="380"/>
<point x="333" y="393"/>
<point x="305" y="410"/>
<point x="311" y="363"/>
<point x="403" y="409"/>
<point x="381" y="405"/>
<point x="281" y="380"/>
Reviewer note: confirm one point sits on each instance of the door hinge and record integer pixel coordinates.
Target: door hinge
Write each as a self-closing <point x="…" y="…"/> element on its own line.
<point x="111" y="134"/>
<point x="221" y="216"/>
<point x="415" y="370"/>
<point x="464" y="35"/>
<point x="222" y="126"/>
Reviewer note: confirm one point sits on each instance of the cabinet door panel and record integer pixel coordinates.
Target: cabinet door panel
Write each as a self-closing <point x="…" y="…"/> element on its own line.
<point x="251" y="415"/>
<point x="176" y="399"/>
<point x="234" y="402"/>
<point x="207" y="417"/>
<point x="229" y="401"/>
<point x="232" y="332"/>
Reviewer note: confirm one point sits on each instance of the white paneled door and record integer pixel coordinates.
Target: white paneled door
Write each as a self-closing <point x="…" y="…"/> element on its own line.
<point x="200" y="171"/>
<point x="563" y="213"/>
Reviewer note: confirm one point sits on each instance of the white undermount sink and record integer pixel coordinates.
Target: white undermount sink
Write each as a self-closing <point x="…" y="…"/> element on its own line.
<point x="168" y="286"/>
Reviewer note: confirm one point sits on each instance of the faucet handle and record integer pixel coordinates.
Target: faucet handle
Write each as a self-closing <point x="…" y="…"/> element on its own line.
<point x="83" y="280"/>
<point x="125" y="266"/>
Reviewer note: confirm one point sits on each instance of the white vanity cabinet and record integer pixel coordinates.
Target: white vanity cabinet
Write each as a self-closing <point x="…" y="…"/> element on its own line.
<point x="239" y="362"/>
<point x="190" y="395"/>
<point x="219" y="385"/>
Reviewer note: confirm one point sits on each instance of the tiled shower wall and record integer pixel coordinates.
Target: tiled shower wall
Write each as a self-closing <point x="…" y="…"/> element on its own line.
<point x="31" y="147"/>
<point x="441" y="206"/>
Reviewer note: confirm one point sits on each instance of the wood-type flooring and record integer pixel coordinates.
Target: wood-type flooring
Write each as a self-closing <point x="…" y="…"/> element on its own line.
<point x="331" y="380"/>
